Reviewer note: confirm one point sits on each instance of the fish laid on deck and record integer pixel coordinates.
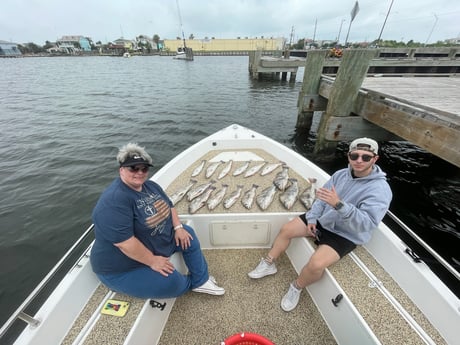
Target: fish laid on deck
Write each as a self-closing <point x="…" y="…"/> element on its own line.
<point x="308" y="195"/>
<point x="193" y="193"/>
<point x="265" y="198"/>
<point x="212" y="168"/>
<point x="199" y="168"/>
<point x="180" y="193"/>
<point x="200" y="201"/>
<point x="248" y="197"/>
<point x="233" y="197"/>
<point x="289" y="197"/>
<point x="270" y="167"/>
<point x="281" y="179"/>
<point x="225" y="170"/>
<point x="254" y="170"/>
<point x="216" y="199"/>
<point x="241" y="169"/>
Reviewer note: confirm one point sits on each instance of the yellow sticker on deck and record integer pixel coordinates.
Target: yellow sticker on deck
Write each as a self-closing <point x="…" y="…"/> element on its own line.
<point x="115" y="307"/>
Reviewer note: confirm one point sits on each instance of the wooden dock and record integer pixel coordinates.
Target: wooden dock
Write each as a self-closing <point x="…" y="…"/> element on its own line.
<point x="396" y="61"/>
<point x="421" y="110"/>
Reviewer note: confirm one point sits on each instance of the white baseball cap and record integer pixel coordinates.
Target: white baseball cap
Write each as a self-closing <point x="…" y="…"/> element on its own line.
<point x="365" y="144"/>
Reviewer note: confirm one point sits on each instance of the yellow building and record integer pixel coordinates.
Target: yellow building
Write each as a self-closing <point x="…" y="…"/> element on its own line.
<point x="217" y="44"/>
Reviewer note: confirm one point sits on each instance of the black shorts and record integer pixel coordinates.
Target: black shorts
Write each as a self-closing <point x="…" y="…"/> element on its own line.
<point x="340" y="244"/>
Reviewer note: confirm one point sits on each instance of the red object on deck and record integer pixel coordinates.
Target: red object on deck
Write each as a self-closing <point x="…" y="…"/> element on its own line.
<point x="247" y="339"/>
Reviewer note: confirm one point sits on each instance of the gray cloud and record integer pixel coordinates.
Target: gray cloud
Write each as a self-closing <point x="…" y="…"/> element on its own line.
<point x="106" y="20"/>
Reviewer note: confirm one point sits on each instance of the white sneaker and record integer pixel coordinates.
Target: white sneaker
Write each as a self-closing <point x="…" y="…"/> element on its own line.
<point x="263" y="269"/>
<point x="291" y="298"/>
<point x="210" y="287"/>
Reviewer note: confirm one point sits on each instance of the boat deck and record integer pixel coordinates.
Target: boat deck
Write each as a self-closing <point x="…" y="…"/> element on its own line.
<point x="254" y="305"/>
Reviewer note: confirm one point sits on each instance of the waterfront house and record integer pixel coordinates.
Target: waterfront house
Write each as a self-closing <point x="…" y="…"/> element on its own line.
<point x="74" y="44"/>
<point x="9" y="49"/>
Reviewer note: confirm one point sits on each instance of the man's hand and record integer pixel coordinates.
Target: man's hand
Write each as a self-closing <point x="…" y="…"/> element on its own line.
<point x="328" y="196"/>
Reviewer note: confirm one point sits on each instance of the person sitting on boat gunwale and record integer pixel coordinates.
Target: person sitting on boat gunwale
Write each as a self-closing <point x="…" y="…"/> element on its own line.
<point x="137" y="229"/>
<point x="347" y="209"/>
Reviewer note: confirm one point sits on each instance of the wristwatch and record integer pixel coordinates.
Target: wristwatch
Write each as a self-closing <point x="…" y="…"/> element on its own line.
<point x="339" y="205"/>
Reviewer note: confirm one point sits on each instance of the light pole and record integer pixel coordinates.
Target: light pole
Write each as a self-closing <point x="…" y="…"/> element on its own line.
<point x="432" y="29"/>
<point x="340" y="30"/>
<point x="383" y="26"/>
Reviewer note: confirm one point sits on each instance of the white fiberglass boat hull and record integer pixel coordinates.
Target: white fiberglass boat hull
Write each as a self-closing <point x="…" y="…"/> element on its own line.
<point x="346" y="324"/>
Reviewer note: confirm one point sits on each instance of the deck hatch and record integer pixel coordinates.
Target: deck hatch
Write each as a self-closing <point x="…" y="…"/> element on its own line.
<point x="241" y="233"/>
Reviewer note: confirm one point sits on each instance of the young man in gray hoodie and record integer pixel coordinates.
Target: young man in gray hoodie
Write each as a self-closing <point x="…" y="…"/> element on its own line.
<point x="347" y="209"/>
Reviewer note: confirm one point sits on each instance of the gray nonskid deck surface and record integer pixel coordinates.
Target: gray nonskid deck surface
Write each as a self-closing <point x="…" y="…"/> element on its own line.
<point x="97" y="297"/>
<point x="387" y="324"/>
<point x="248" y="306"/>
<point x="108" y="329"/>
<point x="254" y="305"/>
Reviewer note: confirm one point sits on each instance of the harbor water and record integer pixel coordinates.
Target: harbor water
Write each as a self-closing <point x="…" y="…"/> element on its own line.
<point x="63" y="119"/>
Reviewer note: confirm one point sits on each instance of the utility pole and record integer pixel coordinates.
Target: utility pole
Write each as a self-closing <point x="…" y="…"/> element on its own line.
<point x="291" y="38"/>
<point x="314" y="32"/>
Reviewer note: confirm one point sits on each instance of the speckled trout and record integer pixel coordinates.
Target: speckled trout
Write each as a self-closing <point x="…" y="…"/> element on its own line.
<point x="197" y="191"/>
<point x="199" y="202"/>
<point x="233" y="197"/>
<point x="179" y="194"/>
<point x="217" y="197"/>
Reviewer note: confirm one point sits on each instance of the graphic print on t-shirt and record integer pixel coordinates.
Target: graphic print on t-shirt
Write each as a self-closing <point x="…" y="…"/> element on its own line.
<point x="156" y="211"/>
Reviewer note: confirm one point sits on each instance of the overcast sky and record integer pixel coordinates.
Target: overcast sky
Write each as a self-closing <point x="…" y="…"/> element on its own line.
<point x="37" y="21"/>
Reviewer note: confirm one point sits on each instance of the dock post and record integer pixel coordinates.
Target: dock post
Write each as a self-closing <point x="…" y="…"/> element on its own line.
<point x="252" y="57"/>
<point x="352" y="71"/>
<point x="254" y="61"/>
<point x="309" y="99"/>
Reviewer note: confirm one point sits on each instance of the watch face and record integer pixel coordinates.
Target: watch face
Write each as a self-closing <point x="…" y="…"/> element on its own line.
<point x="339" y="205"/>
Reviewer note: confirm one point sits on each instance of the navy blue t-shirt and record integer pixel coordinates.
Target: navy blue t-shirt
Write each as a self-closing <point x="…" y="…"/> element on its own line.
<point x="121" y="213"/>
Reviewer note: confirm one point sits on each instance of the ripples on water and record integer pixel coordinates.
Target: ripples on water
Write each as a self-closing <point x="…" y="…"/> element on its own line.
<point x="63" y="119"/>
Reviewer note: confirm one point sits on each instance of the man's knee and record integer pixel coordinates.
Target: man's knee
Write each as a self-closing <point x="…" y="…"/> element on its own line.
<point x="316" y="264"/>
<point x="294" y="228"/>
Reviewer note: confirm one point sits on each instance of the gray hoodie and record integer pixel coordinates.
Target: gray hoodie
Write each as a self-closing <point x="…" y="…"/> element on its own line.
<point x="366" y="200"/>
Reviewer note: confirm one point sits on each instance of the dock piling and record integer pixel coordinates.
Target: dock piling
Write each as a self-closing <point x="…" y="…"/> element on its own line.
<point x="352" y="71"/>
<point x="309" y="99"/>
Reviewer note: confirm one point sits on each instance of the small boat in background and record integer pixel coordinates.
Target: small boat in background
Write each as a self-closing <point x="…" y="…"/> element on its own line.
<point x="183" y="52"/>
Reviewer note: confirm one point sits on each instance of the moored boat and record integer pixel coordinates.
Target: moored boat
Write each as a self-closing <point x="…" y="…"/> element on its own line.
<point x="376" y="295"/>
<point x="182" y="52"/>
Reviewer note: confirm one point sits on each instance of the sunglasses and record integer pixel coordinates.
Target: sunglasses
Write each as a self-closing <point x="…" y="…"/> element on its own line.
<point x="134" y="169"/>
<point x="364" y="157"/>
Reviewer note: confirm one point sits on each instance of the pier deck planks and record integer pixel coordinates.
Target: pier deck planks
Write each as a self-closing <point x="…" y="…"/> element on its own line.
<point x="440" y="93"/>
